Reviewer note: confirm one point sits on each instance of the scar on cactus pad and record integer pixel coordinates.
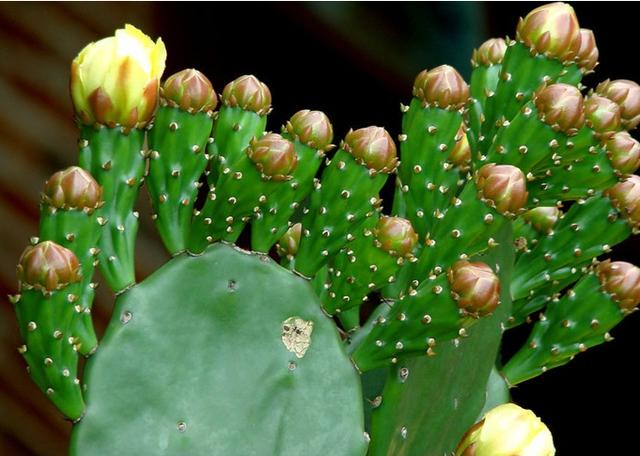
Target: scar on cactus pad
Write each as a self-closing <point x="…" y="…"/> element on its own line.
<point x="508" y="192"/>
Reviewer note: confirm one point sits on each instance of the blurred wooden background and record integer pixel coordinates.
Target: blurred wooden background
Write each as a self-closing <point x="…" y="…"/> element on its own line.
<point x="355" y="61"/>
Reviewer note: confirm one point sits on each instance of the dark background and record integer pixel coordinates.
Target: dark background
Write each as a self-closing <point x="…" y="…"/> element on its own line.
<point x="356" y="62"/>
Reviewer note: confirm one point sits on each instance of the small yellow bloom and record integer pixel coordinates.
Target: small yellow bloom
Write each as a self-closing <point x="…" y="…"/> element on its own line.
<point x="115" y="81"/>
<point x="508" y="430"/>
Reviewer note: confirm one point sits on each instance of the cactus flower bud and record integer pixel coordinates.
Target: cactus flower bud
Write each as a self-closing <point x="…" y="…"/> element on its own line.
<point x="542" y="219"/>
<point x="191" y="91"/>
<point x="311" y="128"/>
<point x="552" y="30"/>
<point x="502" y="186"/>
<point x="373" y="147"/>
<point x="491" y="52"/>
<point x="442" y="86"/>
<point x="588" y="53"/>
<point x="625" y="196"/>
<point x="248" y="93"/>
<point x="507" y="430"/>
<point x="72" y="188"/>
<point x="561" y="106"/>
<point x="475" y="287"/>
<point x="460" y="154"/>
<point x="395" y="235"/>
<point x="627" y="95"/>
<point x="622" y="281"/>
<point x="48" y="266"/>
<point x="115" y="81"/>
<point x="274" y="156"/>
<point x="288" y="244"/>
<point x="624" y="152"/>
<point x="602" y="115"/>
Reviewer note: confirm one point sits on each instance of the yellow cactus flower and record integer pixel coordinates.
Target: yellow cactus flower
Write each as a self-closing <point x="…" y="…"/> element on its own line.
<point x="508" y="430"/>
<point x="115" y="81"/>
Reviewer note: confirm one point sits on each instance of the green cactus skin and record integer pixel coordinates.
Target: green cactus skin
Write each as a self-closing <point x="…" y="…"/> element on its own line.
<point x="346" y="195"/>
<point x="415" y="324"/>
<point x="540" y="297"/>
<point x="233" y="130"/>
<point x="522" y="73"/>
<point x="177" y="143"/>
<point x="47" y="321"/>
<point x="468" y="227"/>
<point x="581" y="319"/>
<point x="78" y="231"/>
<point x="272" y="221"/>
<point x="427" y="396"/>
<point x="581" y="179"/>
<point x="525" y="141"/>
<point x="239" y="193"/>
<point x="428" y="178"/>
<point x="358" y="270"/>
<point x="117" y="161"/>
<point x="143" y="396"/>
<point x="586" y="231"/>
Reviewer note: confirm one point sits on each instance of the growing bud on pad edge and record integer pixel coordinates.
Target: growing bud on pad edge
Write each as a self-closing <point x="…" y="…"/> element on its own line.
<point x="72" y="188"/>
<point x="475" y="287"/>
<point x="491" y="52"/>
<point x="373" y="147"/>
<point x="274" y="156"/>
<point x="622" y="281"/>
<point x="502" y="186"/>
<point x="627" y="95"/>
<point x="248" y="93"/>
<point x="624" y="152"/>
<point x="395" y="235"/>
<point x="190" y="90"/>
<point x="561" y="106"/>
<point x="48" y="266"/>
<point x="311" y="128"/>
<point x="551" y="29"/>
<point x="442" y="86"/>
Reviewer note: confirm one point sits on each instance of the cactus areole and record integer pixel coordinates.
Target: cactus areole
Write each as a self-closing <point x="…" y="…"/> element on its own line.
<point x="376" y="311"/>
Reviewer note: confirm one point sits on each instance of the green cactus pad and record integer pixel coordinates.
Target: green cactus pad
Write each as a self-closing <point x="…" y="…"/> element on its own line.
<point x="429" y="402"/>
<point x="207" y="356"/>
<point x="586" y="231"/>
<point x="79" y="232"/>
<point x="272" y="222"/>
<point x="46" y="324"/>
<point x="346" y="195"/>
<point x="116" y="160"/>
<point x="579" y="320"/>
<point x="429" y="179"/>
<point x="177" y="144"/>
<point x="522" y="73"/>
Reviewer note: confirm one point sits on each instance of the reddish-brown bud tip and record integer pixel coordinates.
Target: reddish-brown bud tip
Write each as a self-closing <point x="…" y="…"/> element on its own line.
<point x="491" y="52"/>
<point x="625" y="196"/>
<point x="542" y="219"/>
<point x="396" y="235"/>
<point x="274" y="156"/>
<point x="72" y="188"/>
<point x="288" y="244"/>
<point x="48" y="266"/>
<point x="311" y="128"/>
<point x="622" y="281"/>
<point x="460" y="154"/>
<point x="552" y="30"/>
<point x="602" y="115"/>
<point x="504" y="187"/>
<point x="624" y="152"/>
<point x="442" y="86"/>
<point x="373" y="147"/>
<point x="588" y="53"/>
<point x="475" y="287"/>
<point x="627" y="95"/>
<point x="248" y="93"/>
<point x="561" y="106"/>
<point x="191" y="91"/>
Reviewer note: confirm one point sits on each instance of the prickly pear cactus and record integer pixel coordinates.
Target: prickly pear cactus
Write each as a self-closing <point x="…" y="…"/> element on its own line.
<point x="346" y="328"/>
